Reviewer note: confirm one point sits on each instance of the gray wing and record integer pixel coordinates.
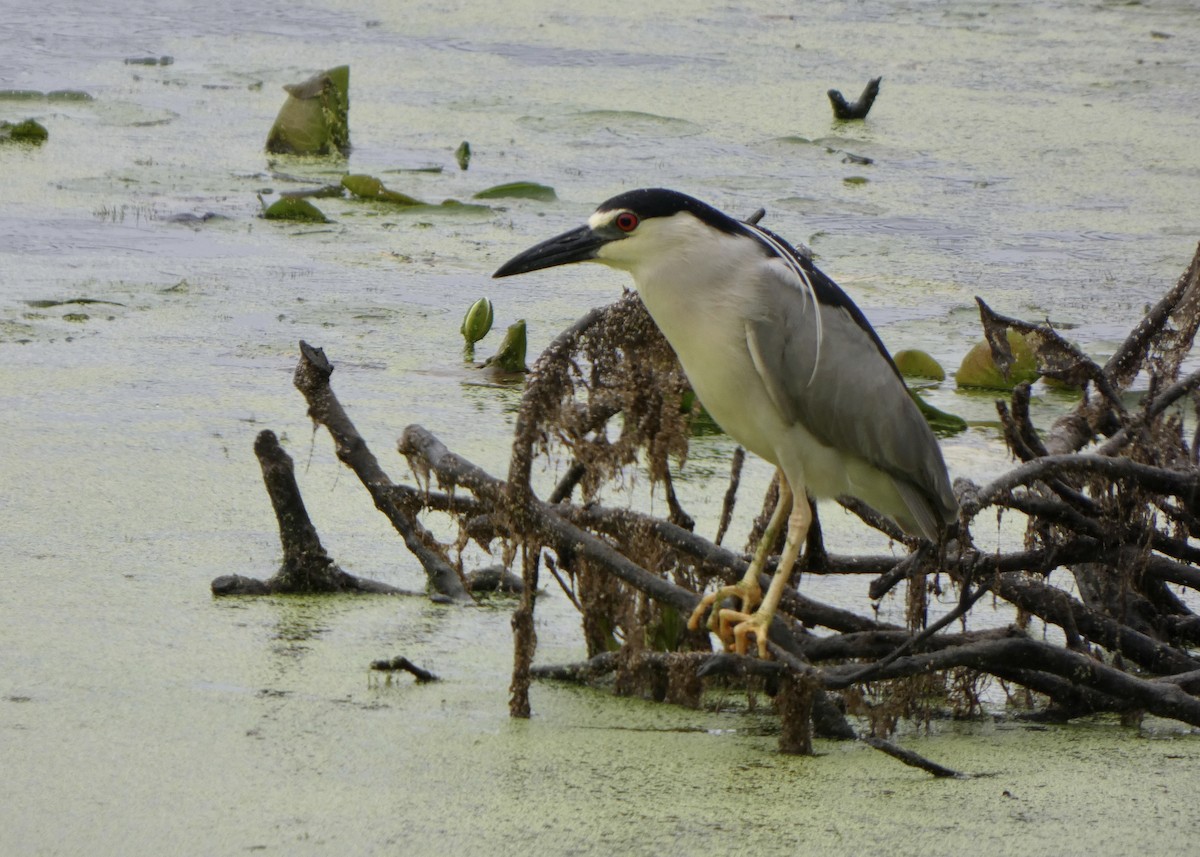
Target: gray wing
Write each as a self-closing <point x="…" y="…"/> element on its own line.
<point x="843" y="387"/>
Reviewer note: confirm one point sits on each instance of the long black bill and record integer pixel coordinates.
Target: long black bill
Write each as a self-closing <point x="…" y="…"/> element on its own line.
<point x="578" y="245"/>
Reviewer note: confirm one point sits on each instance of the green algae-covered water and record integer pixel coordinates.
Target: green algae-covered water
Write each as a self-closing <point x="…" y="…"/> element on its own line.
<point x="1043" y="157"/>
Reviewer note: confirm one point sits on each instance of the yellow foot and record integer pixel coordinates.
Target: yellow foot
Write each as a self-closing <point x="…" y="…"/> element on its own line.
<point x="747" y="590"/>
<point x="744" y="624"/>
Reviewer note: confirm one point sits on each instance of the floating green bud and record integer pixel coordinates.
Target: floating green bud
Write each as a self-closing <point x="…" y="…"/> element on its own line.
<point x="463" y="155"/>
<point x="477" y="322"/>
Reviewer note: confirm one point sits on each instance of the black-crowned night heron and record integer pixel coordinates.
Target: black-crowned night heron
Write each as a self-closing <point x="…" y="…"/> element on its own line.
<point x="783" y="361"/>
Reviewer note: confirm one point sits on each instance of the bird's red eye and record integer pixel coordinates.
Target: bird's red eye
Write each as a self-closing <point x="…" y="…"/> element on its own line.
<point x="627" y="221"/>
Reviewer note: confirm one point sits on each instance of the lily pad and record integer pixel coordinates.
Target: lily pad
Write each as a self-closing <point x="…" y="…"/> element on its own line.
<point x="979" y="369"/>
<point x="940" y="421"/>
<point x="447" y="206"/>
<point x="369" y="187"/>
<point x="29" y="131"/>
<point x="37" y="95"/>
<point x="465" y="206"/>
<point x="792" y="140"/>
<point x="293" y="208"/>
<point x="417" y="168"/>
<point x="519" y="190"/>
<point x="322" y="192"/>
<point x="360" y="185"/>
<point x="68" y="95"/>
<point x="47" y="304"/>
<point x="914" y="363"/>
<point x="633" y="123"/>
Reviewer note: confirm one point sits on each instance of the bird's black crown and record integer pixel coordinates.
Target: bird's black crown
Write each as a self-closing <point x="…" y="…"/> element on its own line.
<point x="661" y="202"/>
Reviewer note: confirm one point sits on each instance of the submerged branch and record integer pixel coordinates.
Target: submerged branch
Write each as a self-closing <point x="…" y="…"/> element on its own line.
<point x="910" y="758"/>
<point x="403" y="664"/>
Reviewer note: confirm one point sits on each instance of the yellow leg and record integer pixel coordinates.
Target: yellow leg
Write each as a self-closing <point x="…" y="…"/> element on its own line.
<point x="759" y="622"/>
<point x="747" y="588"/>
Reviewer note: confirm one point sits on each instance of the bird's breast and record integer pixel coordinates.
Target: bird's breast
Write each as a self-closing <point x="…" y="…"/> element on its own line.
<point x="707" y="332"/>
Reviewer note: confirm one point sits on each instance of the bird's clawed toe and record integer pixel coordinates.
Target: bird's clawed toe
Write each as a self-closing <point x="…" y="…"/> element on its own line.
<point x="757" y="623"/>
<point x="750" y="594"/>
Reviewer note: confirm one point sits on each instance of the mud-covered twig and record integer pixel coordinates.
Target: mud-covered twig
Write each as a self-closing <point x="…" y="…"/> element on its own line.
<point x="1161" y="401"/>
<point x="524" y="633"/>
<point x="730" y="500"/>
<point x="899" y="571"/>
<point x="1168" y="328"/>
<point x="1057" y="607"/>
<point x="553" y="530"/>
<point x="423" y="449"/>
<point x="877" y="521"/>
<point x="398" y="664"/>
<point x="880" y="643"/>
<point x="312" y="379"/>
<point x="843" y="109"/>
<point x="566" y="485"/>
<point x="306" y="567"/>
<point x="828" y="720"/>
<point x="1019" y="432"/>
<point x="579" y="672"/>
<point x="1163" y="699"/>
<point x="908" y="757"/>
<point x="1158" y="479"/>
<point x="1056" y="357"/>
<point x="965" y="603"/>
